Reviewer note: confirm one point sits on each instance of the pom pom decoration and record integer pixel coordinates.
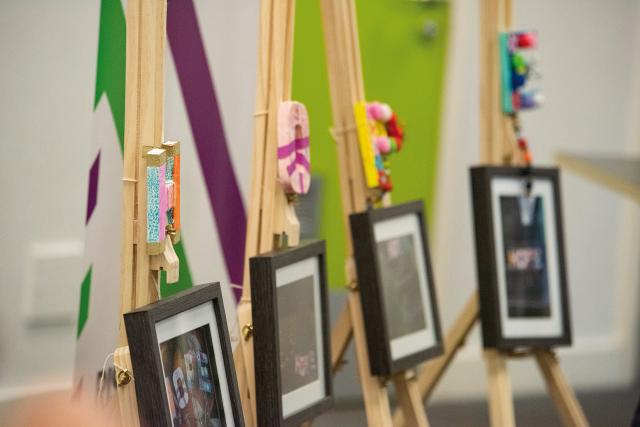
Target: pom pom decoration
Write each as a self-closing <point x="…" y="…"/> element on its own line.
<point x="526" y="40"/>
<point x="379" y="135"/>
<point x="515" y="69"/>
<point x="294" y="156"/>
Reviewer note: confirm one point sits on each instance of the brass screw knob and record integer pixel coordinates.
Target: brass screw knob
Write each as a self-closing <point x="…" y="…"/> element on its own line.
<point x="247" y="331"/>
<point x="123" y="378"/>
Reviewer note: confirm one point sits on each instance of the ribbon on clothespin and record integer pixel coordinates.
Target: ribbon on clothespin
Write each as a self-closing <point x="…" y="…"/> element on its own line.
<point x="172" y="178"/>
<point x="294" y="154"/>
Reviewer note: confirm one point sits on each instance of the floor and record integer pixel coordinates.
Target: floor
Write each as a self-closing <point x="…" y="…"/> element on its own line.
<point x="606" y="409"/>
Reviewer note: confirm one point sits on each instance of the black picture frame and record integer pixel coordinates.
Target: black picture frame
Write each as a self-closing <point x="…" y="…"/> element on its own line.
<point x="141" y="326"/>
<point x="266" y="333"/>
<point x="372" y="290"/>
<point x="547" y="274"/>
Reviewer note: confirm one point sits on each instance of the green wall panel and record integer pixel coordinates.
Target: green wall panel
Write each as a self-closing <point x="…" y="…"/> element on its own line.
<point x="400" y="67"/>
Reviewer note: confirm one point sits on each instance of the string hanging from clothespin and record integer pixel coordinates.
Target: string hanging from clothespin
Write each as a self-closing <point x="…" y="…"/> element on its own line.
<point x="516" y="73"/>
<point x="379" y="135"/>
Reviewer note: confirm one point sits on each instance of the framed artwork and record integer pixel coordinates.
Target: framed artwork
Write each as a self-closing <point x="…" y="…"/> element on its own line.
<point x="522" y="277"/>
<point x="182" y="361"/>
<point x="291" y="334"/>
<point x="396" y="287"/>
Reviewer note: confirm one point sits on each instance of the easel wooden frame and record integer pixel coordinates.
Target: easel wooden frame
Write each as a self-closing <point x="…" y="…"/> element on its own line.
<point x="347" y="88"/>
<point x="271" y="221"/>
<point x="497" y="146"/>
<point x="144" y="119"/>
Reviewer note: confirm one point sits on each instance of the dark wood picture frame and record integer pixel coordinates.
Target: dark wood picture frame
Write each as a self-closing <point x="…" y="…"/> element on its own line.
<point x="266" y="334"/>
<point x="486" y="257"/>
<point x="372" y="292"/>
<point x="153" y="407"/>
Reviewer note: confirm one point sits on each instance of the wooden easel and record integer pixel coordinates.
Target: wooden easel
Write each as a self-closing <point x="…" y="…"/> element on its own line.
<point x="272" y="222"/>
<point x="347" y="88"/>
<point x="497" y="142"/>
<point x="144" y="102"/>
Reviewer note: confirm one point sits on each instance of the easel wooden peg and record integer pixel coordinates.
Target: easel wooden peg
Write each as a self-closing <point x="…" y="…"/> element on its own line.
<point x="167" y="261"/>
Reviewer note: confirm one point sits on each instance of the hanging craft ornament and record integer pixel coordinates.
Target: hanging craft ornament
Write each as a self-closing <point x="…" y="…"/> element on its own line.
<point x="163" y="196"/>
<point x="379" y="135"/>
<point x="516" y="72"/>
<point x="294" y="161"/>
<point x="156" y="200"/>
<point x="172" y="179"/>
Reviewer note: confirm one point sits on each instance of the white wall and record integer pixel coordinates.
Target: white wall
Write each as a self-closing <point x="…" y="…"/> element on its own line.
<point x="586" y="51"/>
<point x="46" y="84"/>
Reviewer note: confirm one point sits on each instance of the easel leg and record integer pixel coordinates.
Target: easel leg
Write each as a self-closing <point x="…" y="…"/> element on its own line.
<point x="563" y="396"/>
<point x="245" y="366"/>
<point x="433" y="370"/>
<point x="376" y="399"/>
<point x="500" y="397"/>
<point x="340" y="337"/>
<point x="126" y="388"/>
<point x="410" y="400"/>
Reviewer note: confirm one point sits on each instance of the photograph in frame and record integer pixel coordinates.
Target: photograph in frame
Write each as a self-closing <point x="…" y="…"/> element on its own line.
<point x="181" y="354"/>
<point x="289" y="298"/>
<point x="396" y="287"/>
<point x="298" y="334"/>
<point x="193" y="387"/>
<point x="524" y="256"/>
<point x="404" y="307"/>
<point x="520" y="257"/>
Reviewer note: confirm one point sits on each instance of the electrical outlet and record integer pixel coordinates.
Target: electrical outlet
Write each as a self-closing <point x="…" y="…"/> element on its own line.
<point x="51" y="289"/>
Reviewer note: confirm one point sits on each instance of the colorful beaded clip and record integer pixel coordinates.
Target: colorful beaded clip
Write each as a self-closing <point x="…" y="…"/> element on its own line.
<point x="379" y="135"/>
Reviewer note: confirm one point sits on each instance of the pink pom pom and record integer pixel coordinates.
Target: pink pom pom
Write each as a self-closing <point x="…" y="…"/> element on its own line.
<point x="382" y="142"/>
<point x="374" y="109"/>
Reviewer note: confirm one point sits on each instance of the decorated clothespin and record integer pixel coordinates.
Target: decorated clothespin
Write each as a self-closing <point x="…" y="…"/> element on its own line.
<point x="172" y="177"/>
<point x="379" y="135"/>
<point x="156" y="200"/>
<point x="294" y="170"/>
<point x="516" y="71"/>
<point x="163" y="207"/>
<point x="294" y="154"/>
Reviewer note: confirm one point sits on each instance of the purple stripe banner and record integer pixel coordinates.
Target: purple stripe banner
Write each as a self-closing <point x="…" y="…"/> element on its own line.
<point x="92" y="198"/>
<point x="201" y="103"/>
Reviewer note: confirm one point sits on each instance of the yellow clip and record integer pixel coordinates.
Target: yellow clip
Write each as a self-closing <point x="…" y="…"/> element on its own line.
<point x="366" y="147"/>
